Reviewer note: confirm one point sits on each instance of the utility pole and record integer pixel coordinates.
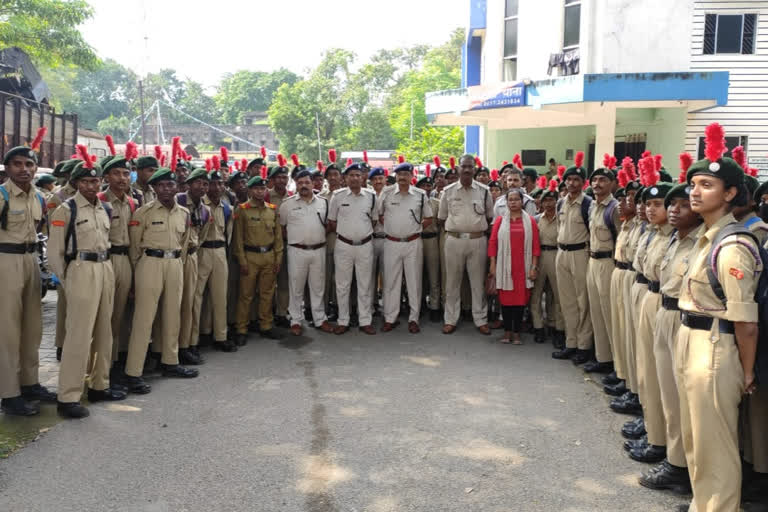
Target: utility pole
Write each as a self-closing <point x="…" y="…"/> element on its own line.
<point x="319" y="148"/>
<point x="143" y="124"/>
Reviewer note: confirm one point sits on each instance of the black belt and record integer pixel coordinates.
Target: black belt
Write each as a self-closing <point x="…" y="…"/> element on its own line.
<point x="119" y="249"/>
<point x="427" y="236"/>
<point x="704" y="323"/>
<point x="191" y="250"/>
<point x="406" y="239"/>
<point x="631" y="267"/>
<point x="379" y="235"/>
<point x="640" y="278"/>
<point x="96" y="257"/>
<point x="548" y="247"/>
<point x="353" y="242"/>
<point x="572" y="247"/>
<point x="214" y="244"/>
<point x="601" y="255"/>
<point x="669" y="303"/>
<point x="654" y="286"/>
<point x="159" y="253"/>
<point x="260" y="249"/>
<point x="621" y="265"/>
<point x="308" y="247"/>
<point x="18" y="248"/>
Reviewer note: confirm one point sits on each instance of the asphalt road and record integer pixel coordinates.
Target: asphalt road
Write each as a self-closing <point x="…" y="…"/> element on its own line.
<point x="393" y="422"/>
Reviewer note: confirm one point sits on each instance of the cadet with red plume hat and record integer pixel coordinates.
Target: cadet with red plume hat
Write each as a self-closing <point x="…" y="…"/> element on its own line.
<point x="438" y="175"/>
<point x="146" y="166"/>
<point x="276" y="195"/>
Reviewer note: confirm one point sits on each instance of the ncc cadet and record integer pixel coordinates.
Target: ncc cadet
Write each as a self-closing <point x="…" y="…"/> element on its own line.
<point x="200" y="220"/>
<point x="257" y="244"/>
<point x="466" y="209"/>
<point x="79" y="254"/>
<point x="572" y="259"/>
<point x="22" y="212"/>
<point x="604" y="218"/>
<point x="715" y="349"/>
<point x="276" y="195"/>
<point x="547" y="276"/>
<point x="146" y="166"/>
<point x="238" y="184"/>
<point x="45" y="184"/>
<point x="530" y="176"/>
<point x="212" y="265"/>
<point x="350" y="216"/>
<point x="330" y="299"/>
<point x="482" y="174"/>
<point x="403" y="210"/>
<point x="304" y="216"/>
<point x="431" y="243"/>
<point x="438" y="175"/>
<point x="377" y="179"/>
<point x="159" y="231"/>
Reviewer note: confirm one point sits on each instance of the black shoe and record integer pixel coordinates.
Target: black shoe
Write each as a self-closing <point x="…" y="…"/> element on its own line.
<point x="650" y="453"/>
<point x="37" y="392"/>
<point x="595" y="367"/>
<point x="666" y="476"/>
<point x="195" y="349"/>
<point x="435" y="316"/>
<point x="186" y="356"/>
<point x="253" y="327"/>
<point x="241" y="340"/>
<point x="58" y="354"/>
<point x="176" y="370"/>
<point x="136" y="385"/>
<point x="683" y="508"/>
<point x="118" y="387"/>
<point x="565" y="353"/>
<point x="72" y="410"/>
<point x="581" y="357"/>
<point x="107" y="395"/>
<point x="558" y="340"/>
<point x="634" y="429"/>
<point x="538" y="336"/>
<point x="18" y="406"/>
<point x="631" y="406"/>
<point x="224" y="346"/>
<point x="611" y="379"/>
<point x="281" y="321"/>
<point x="116" y="374"/>
<point x="635" y="444"/>
<point x="204" y="340"/>
<point x="271" y="334"/>
<point x="615" y="390"/>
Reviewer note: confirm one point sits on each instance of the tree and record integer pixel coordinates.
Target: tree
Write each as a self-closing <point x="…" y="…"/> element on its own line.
<point x="249" y="91"/>
<point x="47" y="31"/>
<point x="118" y="127"/>
<point x="109" y="90"/>
<point x="197" y="103"/>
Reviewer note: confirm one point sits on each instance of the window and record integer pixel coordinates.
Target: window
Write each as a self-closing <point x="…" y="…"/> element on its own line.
<point x="730" y="143"/>
<point x="572" y="24"/>
<point x="729" y="33"/>
<point x="534" y="157"/>
<point x="510" y="41"/>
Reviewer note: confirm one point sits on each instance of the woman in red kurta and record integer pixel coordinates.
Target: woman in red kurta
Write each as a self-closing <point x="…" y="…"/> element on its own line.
<point x="514" y="247"/>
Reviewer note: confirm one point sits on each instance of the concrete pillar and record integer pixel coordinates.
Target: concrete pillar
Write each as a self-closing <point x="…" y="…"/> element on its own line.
<point x="605" y="133"/>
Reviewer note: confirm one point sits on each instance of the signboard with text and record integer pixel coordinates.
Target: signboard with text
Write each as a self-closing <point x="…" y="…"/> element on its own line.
<point x="497" y="96"/>
<point x="761" y="164"/>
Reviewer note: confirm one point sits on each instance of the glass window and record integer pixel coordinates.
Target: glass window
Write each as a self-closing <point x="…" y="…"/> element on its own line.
<point x="572" y="24"/>
<point x="510" y="38"/>
<point x="729" y="34"/>
<point x="511" y="9"/>
<point x="510" y="70"/>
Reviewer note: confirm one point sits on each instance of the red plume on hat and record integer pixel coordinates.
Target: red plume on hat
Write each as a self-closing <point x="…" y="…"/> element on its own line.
<point x="320" y="166"/>
<point x="504" y="163"/>
<point x="560" y="172"/>
<point x="413" y="180"/>
<point x="365" y="156"/>
<point x="111" y="145"/>
<point x="648" y="174"/>
<point x="478" y="162"/>
<point x="82" y="153"/>
<point x="752" y="172"/>
<point x="518" y="161"/>
<point x="39" y="138"/>
<point x="158" y="152"/>
<point x="237" y="165"/>
<point x="645" y="154"/>
<point x="349" y="162"/>
<point x="243" y="164"/>
<point x="400" y="159"/>
<point x="263" y="152"/>
<point x="578" y="160"/>
<point x="224" y="155"/>
<point x="295" y="159"/>
<point x="281" y="161"/>
<point x="175" y="152"/>
<point x="427" y="170"/>
<point x="612" y="162"/>
<point x="263" y="172"/>
<point x="622" y="178"/>
<point x="657" y="162"/>
<point x="541" y="182"/>
<point x="436" y="160"/>
<point x="386" y="172"/>
<point x="740" y="156"/>
<point x="216" y="162"/>
<point x="332" y="156"/>
<point x="162" y="160"/>
<point x="629" y="168"/>
<point x="452" y="162"/>
<point x="495" y="174"/>
<point x="131" y="150"/>
<point x="714" y="142"/>
<point x="686" y="160"/>
<point x="208" y="165"/>
<point x="606" y="160"/>
<point x="552" y="185"/>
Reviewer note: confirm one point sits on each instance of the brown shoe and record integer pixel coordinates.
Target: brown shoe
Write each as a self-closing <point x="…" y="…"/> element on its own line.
<point x="449" y="329"/>
<point x="388" y="326"/>
<point x="340" y="329"/>
<point x="484" y="329"/>
<point x="413" y="327"/>
<point x="326" y="327"/>
<point x="296" y="329"/>
<point x="368" y="329"/>
<point x="497" y="324"/>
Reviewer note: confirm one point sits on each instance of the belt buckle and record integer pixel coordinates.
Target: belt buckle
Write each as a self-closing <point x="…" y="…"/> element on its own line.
<point x="102" y="256"/>
<point x="465" y="236"/>
<point x="168" y="255"/>
<point x="356" y="243"/>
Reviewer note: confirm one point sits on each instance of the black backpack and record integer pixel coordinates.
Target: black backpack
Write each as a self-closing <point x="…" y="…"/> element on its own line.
<point x="585" y="204"/>
<point x="71" y="236"/>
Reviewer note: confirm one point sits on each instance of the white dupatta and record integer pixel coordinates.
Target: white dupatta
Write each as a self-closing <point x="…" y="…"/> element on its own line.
<point x="504" y="253"/>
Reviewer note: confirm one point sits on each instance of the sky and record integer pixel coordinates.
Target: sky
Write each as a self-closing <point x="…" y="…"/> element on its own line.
<point x="203" y="40"/>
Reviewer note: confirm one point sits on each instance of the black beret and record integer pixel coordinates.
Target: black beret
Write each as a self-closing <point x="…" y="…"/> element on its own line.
<point x="352" y="167"/>
<point x="45" y="179"/>
<point x="425" y="180"/>
<point x="682" y="190"/>
<point x="303" y="173"/>
<point x="762" y="189"/>
<point x="531" y="173"/>
<point x="657" y="191"/>
<point x="162" y="174"/>
<point x="257" y="181"/>
<point x="376" y="171"/>
<point x="24" y="151"/>
<point x="726" y="169"/>
<point x="147" y="161"/>
<point x="238" y="175"/>
<point x="601" y="172"/>
<point x="404" y="167"/>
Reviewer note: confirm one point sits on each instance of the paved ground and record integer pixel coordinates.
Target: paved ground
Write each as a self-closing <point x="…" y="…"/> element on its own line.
<point x="396" y="422"/>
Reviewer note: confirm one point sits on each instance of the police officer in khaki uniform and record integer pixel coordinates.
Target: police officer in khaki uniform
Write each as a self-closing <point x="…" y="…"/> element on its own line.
<point x="431" y="243"/>
<point x="276" y="195"/>
<point x="257" y="243"/>
<point x="466" y="209"/>
<point x="330" y="299"/>
<point x="79" y="254"/>
<point x="159" y="231"/>
<point x="22" y="211"/>
<point x="378" y="180"/>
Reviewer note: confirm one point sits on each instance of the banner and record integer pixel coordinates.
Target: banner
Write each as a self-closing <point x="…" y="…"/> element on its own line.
<point x="483" y="97"/>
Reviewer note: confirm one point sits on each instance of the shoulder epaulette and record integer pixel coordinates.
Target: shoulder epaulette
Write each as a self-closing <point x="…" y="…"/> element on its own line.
<point x="245" y="206"/>
<point x="270" y="205"/>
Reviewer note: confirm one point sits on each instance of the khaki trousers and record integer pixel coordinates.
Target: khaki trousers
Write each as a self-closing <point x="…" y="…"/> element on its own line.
<point x="259" y="280"/>
<point x="754" y="424"/>
<point x="647" y="378"/>
<point x="443" y="272"/>
<point x="233" y="278"/>
<point x="402" y="259"/>
<point x="121" y="267"/>
<point x="432" y="265"/>
<point x="188" y="318"/>
<point x="547" y="274"/>
<point x="329" y="293"/>
<point x="306" y="267"/>
<point x="61" y="316"/>
<point x="711" y="383"/>
<point x="213" y="275"/>
<point x="599" y="273"/>
<point x="357" y="258"/>
<point x="618" y="324"/>
<point x="156" y="278"/>
<point x="469" y="254"/>
<point x="632" y="309"/>
<point x="664" y="337"/>
<point x="283" y="292"/>
<point x="21" y="320"/>
<point x="574" y="301"/>
<point x="90" y="295"/>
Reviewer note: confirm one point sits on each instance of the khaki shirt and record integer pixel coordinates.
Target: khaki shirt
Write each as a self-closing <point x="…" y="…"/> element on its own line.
<point x="402" y="214"/>
<point x="59" y="196"/>
<point x="466" y="210"/>
<point x="24" y="215"/>
<point x="199" y="229"/>
<point x="304" y="221"/>
<point x="434" y="203"/>
<point x="639" y="229"/>
<point x="675" y="262"/>
<point x="147" y="196"/>
<point x="353" y="213"/>
<point x="276" y="199"/>
<point x="600" y="237"/>
<point x="121" y="217"/>
<point x="218" y="231"/>
<point x="737" y="271"/>
<point x="330" y="237"/>
<point x="655" y="252"/>
<point x="91" y="231"/>
<point x="153" y="226"/>
<point x="547" y="230"/>
<point x="572" y="229"/>
<point x="622" y="240"/>
<point x="378" y="227"/>
<point x="256" y="226"/>
<point x="642" y="247"/>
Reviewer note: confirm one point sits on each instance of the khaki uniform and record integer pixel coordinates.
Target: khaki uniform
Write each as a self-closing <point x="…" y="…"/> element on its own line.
<point x="547" y="275"/>
<point x="147" y="195"/>
<point x="664" y="338"/>
<point x="157" y="228"/>
<point x="90" y="290"/>
<point x="213" y="275"/>
<point x="257" y="244"/>
<point x="379" y="239"/>
<point x="466" y="213"/>
<point x="57" y="198"/>
<point x="282" y="294"/>
<point x="20" y="307"/>
<point x="709" y="371"/>
<point x="431" y="241"/>
<point x="402" y="216"/>
<point x="572" y="276"/>
<point x="305" y="228"/>
<point x="353" y="214"/>
<point x="190" y="316"/>
<point x="599" y="273"/>
<point x="329" y="295"/>
<point x="634" y="297"/>
<point x="618" y="297"/>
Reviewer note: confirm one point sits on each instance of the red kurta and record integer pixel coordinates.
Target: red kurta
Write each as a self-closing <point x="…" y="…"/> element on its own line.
<point x="520" y="295"/>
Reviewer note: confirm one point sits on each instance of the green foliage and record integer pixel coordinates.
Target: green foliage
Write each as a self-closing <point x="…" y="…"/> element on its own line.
<point x="249" y="91"/>
<point x="118" y="127"/>
<point x="47" y="30"/>
<point x="195" y="102"/>
<point x="433" y="140"/>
